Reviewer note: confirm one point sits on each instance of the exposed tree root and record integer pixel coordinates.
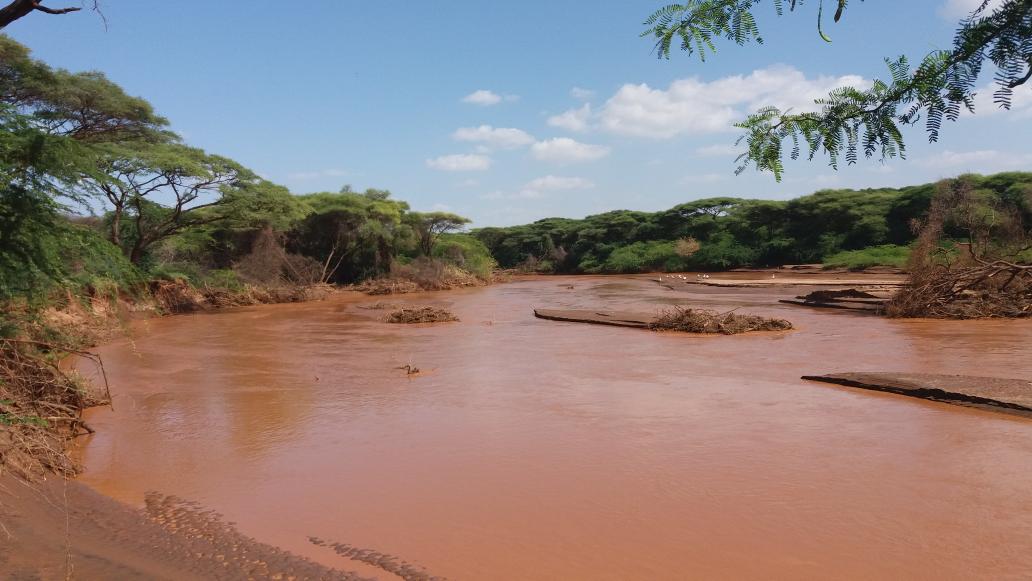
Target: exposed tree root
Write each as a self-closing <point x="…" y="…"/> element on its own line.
<point x="41" y="406"/>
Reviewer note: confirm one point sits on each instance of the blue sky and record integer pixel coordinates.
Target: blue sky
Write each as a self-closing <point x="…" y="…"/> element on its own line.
<point x="508" y="112"/>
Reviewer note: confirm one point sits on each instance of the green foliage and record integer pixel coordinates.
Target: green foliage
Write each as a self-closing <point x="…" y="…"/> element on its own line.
<point x="884" y="255"/>
<point x="355" y="235"/>
<point x="84" y="106"/>
<point x="466" y="252"/>
<point x="697" y="22"/>
<point x="644" y="257"/>
<point x="734" y="232"/>
<point x="852" y="121"/>
<point x="430" y="226"/>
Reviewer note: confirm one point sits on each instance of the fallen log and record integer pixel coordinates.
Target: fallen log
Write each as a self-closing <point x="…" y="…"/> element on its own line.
<point x="1013" y="396"/>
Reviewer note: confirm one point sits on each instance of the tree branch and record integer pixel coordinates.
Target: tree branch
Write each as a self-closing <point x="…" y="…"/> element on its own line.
<point x="21" y="8"/>
<point x="42" y="8"/>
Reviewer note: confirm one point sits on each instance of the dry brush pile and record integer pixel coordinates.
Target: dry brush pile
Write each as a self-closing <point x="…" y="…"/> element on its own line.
<point x="422" y="274"/>
<point x="689" y="320"/>
<point x="41" y="407"/>
<point x="421" y="315"/>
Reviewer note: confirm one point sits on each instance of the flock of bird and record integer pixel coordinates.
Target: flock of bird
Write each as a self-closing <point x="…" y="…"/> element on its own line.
<point x="683" y="277"/>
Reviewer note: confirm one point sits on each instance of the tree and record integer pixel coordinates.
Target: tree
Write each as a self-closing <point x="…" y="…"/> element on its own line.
<point x="429" y="226"/>
<point x="352" y="236"/>
<point x="154" y="191"/>
<point x="852" y="120"/>
<point x="84" y="106"/>
<point x="22" y="8"/>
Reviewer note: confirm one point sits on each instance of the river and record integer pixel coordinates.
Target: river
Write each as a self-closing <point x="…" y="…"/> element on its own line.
<point x="530" y="449"/>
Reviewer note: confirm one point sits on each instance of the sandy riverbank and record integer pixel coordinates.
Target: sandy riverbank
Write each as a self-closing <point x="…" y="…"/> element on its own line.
<point x="61" y="529"/>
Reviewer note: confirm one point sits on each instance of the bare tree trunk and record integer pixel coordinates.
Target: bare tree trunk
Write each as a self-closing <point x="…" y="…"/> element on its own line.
<point x="116" y="228"/>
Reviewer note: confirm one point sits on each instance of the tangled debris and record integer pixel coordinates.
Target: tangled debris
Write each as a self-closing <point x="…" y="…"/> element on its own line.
<point x="421" y="315"/>
<point x="992" y="289"/>
<point x="387" y="286"/>
<point x="689" y="320"/>
<point x="420" y="275"/>
<point x="41" y="406"/>
<point x="179" y="296"/>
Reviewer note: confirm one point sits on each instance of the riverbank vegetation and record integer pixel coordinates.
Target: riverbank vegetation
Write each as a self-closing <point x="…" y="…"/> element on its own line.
<point x="841" y="228"/>
<point x="988" y="274"/>
<point x="101" y="199"/>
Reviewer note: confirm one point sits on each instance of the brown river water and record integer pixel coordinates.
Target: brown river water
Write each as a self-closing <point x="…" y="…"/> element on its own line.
<point x="531" y="449"/>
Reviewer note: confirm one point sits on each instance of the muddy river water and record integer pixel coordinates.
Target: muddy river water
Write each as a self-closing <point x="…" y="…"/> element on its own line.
<point x="530" y="449"/>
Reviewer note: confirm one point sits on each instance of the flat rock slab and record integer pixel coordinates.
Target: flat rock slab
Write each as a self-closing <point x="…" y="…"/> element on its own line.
<point x="1012" y="396"/>
<point x="615" y="318"/>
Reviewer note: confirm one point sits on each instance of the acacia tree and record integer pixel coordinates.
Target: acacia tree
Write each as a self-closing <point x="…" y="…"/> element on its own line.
<point x="86" y="107"/>
<point x="852" y="120"/>
<point x="154" y="191"/>
<point x="429" y="226"/>
<point x="352" y="236"/>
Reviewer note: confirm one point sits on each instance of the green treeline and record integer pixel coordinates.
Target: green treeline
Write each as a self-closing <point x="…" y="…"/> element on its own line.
<point x="97" y="194"/>
<point x="849" y="228"/>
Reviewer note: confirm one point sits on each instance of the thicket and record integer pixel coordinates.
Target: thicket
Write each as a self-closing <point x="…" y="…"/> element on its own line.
<point x="848" y="228"/>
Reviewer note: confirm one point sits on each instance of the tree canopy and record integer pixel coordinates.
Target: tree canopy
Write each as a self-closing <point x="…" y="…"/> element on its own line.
<point x="852" y="121"/>
<point x="721" y="233"/>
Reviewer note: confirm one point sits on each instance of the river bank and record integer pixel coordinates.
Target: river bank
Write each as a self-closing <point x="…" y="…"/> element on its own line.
<point x="294" y="422"/>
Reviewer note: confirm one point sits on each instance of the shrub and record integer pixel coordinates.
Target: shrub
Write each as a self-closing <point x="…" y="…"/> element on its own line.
<point x="644" y="257"/>
<point x="884" y="255"/>
<point x="466" y="252"/>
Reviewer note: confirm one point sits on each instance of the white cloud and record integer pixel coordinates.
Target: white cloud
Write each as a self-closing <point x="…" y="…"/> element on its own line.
<point x="486" y="98"/>
<point x="483" y="97"/>
<point x="551" y="182"/>
<point x="460" y="162"/>
<point x="314" y="175"/>
<point x="718" y="151"/>
<point x="564" y="150"/>
<point x="1021" y="102"/>
<point x="572" y="120"/>
<point x="523" y="194"/>
<point x="500" y="137"/>
<point x="954" y="9"/>
<point x="979" y="161"/>
<point x="693" y="106"/>
<point x="582" y="94"/>
<point x="537" y="188"/>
